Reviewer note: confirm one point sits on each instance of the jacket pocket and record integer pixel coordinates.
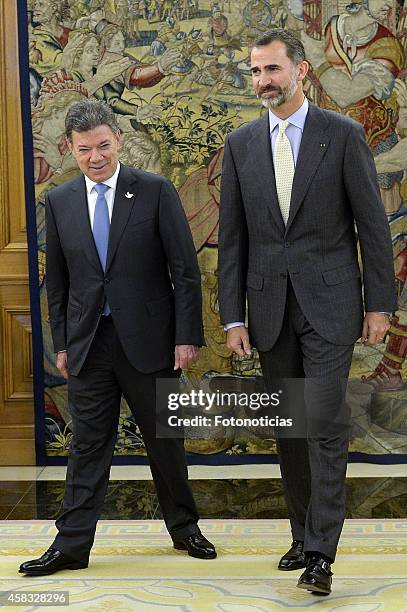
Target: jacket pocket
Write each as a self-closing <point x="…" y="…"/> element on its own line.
<point x="162" y="304"/>
<point x="341" y="275"/>
<point x="141" y="226"/>
<point x="254" y="281"/>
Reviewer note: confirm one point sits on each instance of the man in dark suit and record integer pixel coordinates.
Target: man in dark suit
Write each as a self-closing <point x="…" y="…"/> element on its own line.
<point x="124" y="301"/>
<point x="294" y="183"/>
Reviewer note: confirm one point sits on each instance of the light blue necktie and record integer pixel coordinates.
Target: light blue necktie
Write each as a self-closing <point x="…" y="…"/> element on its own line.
<point x="101" y="228"/>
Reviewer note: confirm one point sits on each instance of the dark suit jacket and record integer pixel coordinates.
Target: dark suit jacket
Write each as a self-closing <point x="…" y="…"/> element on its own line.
<point x="335" y="185"/>
<point x="152" y="280"/>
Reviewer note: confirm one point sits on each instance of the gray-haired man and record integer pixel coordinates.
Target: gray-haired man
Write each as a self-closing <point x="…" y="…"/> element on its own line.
<point x="124" y="301"/>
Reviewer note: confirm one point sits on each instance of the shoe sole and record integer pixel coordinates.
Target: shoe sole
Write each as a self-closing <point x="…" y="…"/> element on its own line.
<point x="67" y="567"/>
<point x="313" y="589"/>
<point x="291" y="569"/>
<point x="183" y="547"/>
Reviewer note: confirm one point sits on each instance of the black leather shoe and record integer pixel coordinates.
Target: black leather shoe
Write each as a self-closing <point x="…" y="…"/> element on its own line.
<point x="317" y="577"/>
<point x="51" y="561"/>
<point x="294" y="558"/>
<point x="197" y="546"/>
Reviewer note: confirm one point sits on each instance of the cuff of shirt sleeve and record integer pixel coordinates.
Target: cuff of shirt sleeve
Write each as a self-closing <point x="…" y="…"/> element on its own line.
<point x="235" y="324"/>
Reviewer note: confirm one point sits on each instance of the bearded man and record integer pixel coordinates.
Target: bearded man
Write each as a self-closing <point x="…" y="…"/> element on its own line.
<point x="294" y="183"/>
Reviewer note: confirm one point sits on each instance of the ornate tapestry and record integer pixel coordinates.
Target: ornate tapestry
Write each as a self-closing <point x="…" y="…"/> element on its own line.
<point x="177" y="75"/>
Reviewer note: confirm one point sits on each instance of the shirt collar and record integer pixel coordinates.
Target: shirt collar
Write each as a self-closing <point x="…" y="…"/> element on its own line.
<point x="110" y="182"/>
<point x="298" y="118"/>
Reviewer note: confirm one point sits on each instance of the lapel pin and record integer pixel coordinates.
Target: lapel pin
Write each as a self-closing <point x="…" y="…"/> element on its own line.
<point x="128" y="195"/>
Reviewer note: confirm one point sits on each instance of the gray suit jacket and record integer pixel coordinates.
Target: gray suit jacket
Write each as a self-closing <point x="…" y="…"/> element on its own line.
<point x="335" y="185"/>
<point x="151" y="282"/>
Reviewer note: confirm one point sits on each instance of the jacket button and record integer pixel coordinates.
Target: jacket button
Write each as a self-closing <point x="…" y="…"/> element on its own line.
<point x="287" y="244"/>
<point x="106" y="281"/>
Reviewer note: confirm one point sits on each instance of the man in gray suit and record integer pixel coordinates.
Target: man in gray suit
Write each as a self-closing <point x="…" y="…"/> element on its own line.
<point x="294" y="183"/>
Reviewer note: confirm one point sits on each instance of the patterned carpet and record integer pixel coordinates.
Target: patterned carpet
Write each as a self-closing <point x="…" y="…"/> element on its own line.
<point x="133" y="567"/>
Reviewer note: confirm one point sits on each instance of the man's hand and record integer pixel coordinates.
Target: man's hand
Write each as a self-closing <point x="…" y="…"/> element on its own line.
<point x="169" y="59"/>
<point x="237" y="340"/>
<point x="185" y="356"/>
<point x="62" y="363"/>
<point x="375" y="325"/>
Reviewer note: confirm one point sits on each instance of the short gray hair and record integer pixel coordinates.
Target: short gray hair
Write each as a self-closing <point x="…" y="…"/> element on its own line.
<point x="87" y="115"/>
<point x="295" y="48"/>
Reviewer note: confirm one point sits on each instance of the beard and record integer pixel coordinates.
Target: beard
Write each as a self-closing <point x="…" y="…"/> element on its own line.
<point x="282" y="94"/>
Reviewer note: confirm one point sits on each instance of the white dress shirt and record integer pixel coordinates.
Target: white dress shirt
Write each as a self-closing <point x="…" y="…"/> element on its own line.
<point x="294" y="130"/>
<point x="109" y="195"/>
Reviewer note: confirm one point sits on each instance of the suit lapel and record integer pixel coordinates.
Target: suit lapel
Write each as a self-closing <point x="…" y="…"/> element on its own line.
<point x="260" y="152"/>
<point x="80" y="213"/>
<point x="123" y="205"/>
<point x="314" y="144"/>
<point x="122" y="208"/>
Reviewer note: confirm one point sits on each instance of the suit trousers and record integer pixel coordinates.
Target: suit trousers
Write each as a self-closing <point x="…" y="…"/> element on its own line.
<point x="313" y="465"/>
<point x="94" y="401"/>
